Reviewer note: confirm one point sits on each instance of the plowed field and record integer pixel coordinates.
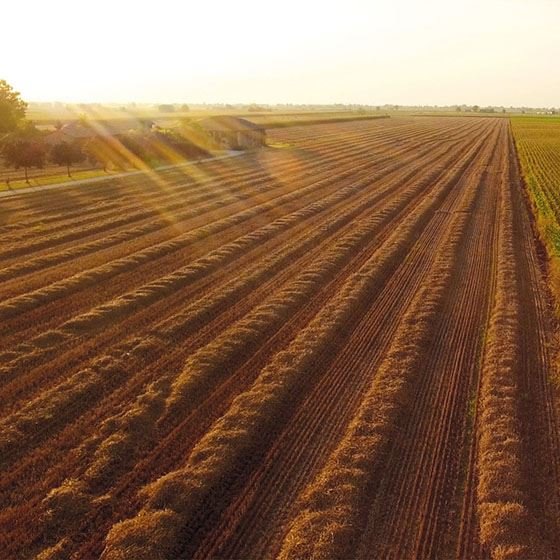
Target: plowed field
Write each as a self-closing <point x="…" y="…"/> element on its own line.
<point x="338" y="348"/>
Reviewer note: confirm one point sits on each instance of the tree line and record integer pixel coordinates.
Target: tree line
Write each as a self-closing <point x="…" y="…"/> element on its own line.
<point x="23" y="145"/>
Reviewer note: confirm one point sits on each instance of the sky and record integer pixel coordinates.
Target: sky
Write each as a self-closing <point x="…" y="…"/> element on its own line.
<point x="423" y="52"/>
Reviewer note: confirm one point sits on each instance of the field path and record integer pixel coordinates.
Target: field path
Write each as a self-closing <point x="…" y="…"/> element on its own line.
<point x="80" y="182"/>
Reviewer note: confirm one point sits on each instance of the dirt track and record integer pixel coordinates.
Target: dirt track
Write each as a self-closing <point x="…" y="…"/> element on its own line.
<point x="339" y="349"/>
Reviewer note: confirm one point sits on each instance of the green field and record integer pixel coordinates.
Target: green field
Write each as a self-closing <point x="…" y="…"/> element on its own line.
<point x="538" y="146"/>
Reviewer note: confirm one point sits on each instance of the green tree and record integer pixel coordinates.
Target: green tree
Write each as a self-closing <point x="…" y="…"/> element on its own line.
<point x="24" y="151"/>
<point x="12" y="108"/>
<point x="67" y="154"/>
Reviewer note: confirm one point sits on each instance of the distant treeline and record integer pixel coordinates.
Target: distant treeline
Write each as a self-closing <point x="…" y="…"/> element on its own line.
<point x="29" y="147"/>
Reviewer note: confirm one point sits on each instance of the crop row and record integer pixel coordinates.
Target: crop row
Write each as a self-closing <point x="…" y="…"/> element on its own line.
<point x="503" y="516"/>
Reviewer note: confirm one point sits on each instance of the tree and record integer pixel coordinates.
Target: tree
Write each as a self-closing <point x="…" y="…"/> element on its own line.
<point x="12" y="108"/>
<point x="67" y="154"/>
<point x="98" y="151"/>
<point x="24" y="151"/>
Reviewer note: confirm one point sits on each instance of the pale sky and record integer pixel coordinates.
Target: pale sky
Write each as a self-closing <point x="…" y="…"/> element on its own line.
<point x="485" y="52"/>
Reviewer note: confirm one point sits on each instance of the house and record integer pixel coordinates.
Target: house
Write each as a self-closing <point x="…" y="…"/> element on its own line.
<point x="233" y="133"/>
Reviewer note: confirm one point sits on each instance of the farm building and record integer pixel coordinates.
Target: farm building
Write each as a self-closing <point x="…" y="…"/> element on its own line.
<point x="234" y="133"/>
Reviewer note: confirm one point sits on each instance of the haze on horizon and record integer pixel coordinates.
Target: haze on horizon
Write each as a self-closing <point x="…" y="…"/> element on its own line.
<point x="492" y="52"/>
